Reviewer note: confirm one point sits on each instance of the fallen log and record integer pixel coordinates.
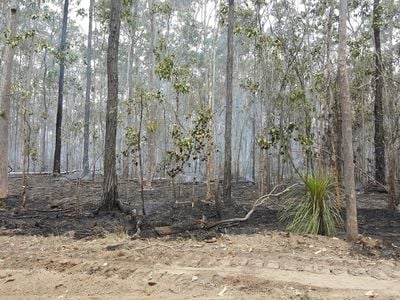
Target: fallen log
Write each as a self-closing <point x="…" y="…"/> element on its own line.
<point x="174" y="229"/>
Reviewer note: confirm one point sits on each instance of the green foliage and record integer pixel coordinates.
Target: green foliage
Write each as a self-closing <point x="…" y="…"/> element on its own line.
<point x="310" y="208"/>
<point x="164" y="8"/>
<point x="165" y="67"/>
<point x="132" y="140"/>
<point x="281" y="138"/>
<point x="16" y="40"/>
<point x="143" y="97"/>
<point x="191" y="144"/>
<point x="277" y="136"/>
<point x="168" y="70"/>
<point x="152" y="126"/>
<point x="181" y="87"/>
<point x="247" y="31"/>
<point x="222" y="13"/>
<point x="250" y="86"/>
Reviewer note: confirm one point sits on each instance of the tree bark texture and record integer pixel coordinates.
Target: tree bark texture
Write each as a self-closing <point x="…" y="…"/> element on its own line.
<point x="150" y="130"/>
<point x="6" y="101"/>
<point x="88" y="89"/>
<point x="227" y="191"/>
<point x="379" y="137"/>
<point x="347" y="132"/>
<point x="110" y="192"/>
<point x="57" y="149"/>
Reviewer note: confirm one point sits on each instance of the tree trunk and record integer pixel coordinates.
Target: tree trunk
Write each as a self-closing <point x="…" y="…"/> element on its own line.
<point x="6" y="102"/>
<point x="378" y="107"/>
<point x="392" y="180"/>
<point x="85" y="161"/>
<point x="43" y="145"/>
<point x="57" y="150"/>
<point x="151" y="134"/>
<point x="347" y="132"/>
<point x="227" y="194"/>
<point x="110" y="176"/>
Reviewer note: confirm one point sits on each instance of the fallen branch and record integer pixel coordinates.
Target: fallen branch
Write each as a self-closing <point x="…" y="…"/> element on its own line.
<point x="256" y="203"/>
<point x="203" y="224"/>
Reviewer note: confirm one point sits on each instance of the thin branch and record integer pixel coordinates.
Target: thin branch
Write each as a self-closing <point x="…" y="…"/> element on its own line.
<point x="256" y="203"/>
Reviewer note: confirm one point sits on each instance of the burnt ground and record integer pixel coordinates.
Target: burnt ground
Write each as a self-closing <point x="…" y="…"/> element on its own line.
<point x="60" y="229"/>
<point x="56" y="206"/>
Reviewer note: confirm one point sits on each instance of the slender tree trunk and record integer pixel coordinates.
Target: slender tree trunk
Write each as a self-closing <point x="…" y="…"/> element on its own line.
<point x="151" y="134"/>
<point x="379" y="137"/>
<point x="45" y="117"/>
<point x="392" y="182"/>
<point x="347" y="132"/>
<point x="110" y="192"/>
<point x="141" y="155"/>
<point x="392" y="136"/>
<point x="27" y="129"/>
<point x="86" y="135"/>
<point x="131" y="75"/>
<point x="227" y="194"/>
<point x="6" y="102"/>
<point x="57" y="150"/>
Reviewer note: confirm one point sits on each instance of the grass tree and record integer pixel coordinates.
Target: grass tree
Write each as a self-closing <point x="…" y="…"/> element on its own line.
<point x="310" y="208"/>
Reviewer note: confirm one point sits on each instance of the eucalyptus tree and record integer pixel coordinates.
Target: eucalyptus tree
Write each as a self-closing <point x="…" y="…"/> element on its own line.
<point x="57" y="149"/>
<point x="87" y="92"/>
<point x="379" y="137"/>
<point x="227" y="192"/>
<point x="6" y="98"/>
<point x="346" y="111"/>
<point x="110" y="191"/>
<point x="151" y="122"/>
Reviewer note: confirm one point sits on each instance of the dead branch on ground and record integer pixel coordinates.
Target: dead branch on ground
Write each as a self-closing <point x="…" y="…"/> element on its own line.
<point x="203" y="223"/>
<point x="256" y="203"/>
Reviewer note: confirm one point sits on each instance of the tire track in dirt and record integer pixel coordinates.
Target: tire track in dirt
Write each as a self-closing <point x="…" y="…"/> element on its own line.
<point x="340" y="282"/>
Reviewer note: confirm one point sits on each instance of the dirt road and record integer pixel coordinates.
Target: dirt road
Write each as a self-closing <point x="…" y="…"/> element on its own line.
<point x="267" y="265"/>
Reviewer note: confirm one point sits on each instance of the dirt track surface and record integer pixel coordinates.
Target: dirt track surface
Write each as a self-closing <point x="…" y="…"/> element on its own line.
<point x="270" y="265"/>
<point x="56" y="248"/>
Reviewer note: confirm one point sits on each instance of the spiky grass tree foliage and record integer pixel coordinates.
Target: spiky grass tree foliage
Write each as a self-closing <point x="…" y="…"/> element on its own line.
<point x="309" y="208"/>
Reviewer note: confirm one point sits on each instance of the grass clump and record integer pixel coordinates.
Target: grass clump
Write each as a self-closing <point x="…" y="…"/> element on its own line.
<point x="310" y="207"/>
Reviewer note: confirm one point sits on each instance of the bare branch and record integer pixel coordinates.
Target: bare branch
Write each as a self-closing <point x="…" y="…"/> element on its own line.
<point x="256" y="203"/>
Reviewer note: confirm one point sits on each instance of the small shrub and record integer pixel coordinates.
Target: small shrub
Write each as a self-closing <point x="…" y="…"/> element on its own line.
<point x="310" y="208"/>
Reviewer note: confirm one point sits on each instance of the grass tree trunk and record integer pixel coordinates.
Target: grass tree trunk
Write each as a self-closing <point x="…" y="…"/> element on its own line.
<point x="85" y="161"/>
<point x="57" y="149"/>
<point x="110" y="176"/>
<point x="379" y="136"/>
<point x="227" y="192"/>
<point x="347" y="134"/>
<point x="5" y="102"/>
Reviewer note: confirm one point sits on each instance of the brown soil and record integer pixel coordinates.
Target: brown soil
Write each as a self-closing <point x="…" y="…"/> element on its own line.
<point x="57" y="248"/>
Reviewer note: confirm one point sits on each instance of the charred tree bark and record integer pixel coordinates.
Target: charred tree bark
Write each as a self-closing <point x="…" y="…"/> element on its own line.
<point x="57" y="149"/>
<point x="379" y="137"/>
<point x="110" y="191"/>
